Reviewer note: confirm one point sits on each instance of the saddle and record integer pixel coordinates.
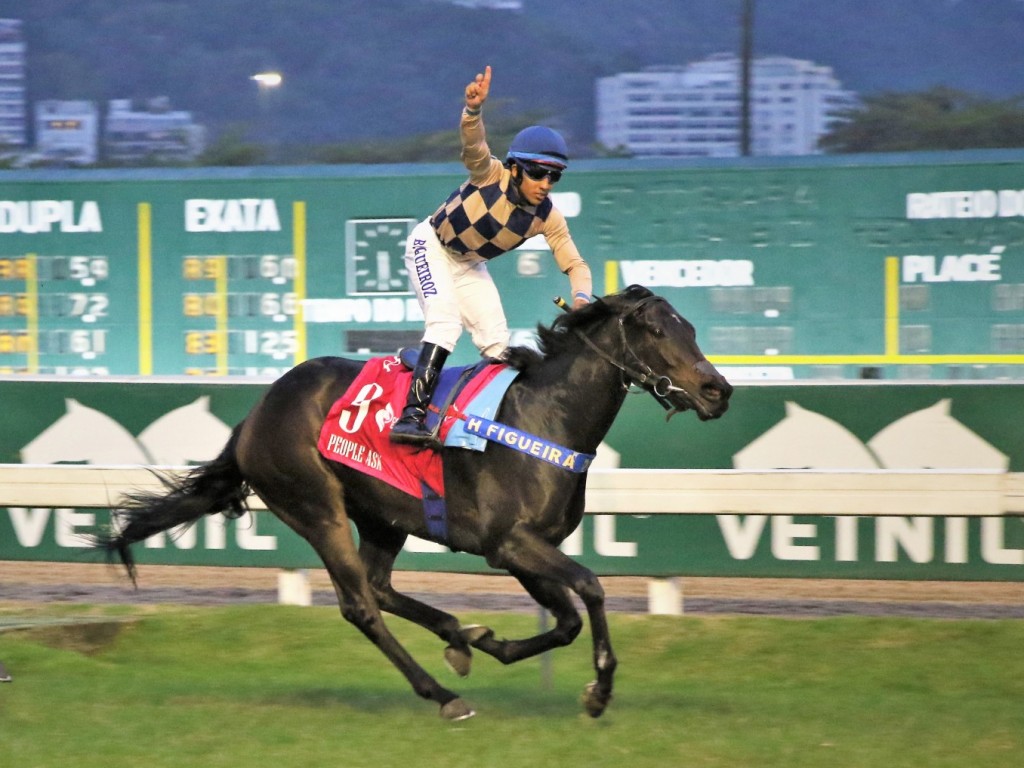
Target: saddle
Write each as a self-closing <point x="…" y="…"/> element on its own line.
<point x="409" y="357"/>
<point x="357" y="426"/>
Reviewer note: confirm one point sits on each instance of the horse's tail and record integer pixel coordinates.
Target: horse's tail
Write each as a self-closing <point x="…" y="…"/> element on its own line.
<point x="216" y="486"/>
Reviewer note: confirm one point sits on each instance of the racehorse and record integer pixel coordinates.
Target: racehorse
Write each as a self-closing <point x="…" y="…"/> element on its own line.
<point x="509" y="507"/>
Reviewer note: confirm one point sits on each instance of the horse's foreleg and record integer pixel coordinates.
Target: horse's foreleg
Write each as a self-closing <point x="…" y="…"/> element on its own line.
<point x="556" y="599"/>
<point x="523" y="552"/>
<point x="378" y="550"/>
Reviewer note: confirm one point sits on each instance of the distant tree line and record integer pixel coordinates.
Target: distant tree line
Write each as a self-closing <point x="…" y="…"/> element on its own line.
<point x="233" y="148"/>
<point x="936" y="119"/>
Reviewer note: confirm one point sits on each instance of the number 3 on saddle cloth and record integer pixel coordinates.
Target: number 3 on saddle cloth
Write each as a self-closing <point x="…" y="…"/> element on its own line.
<point x="357" y="427"/>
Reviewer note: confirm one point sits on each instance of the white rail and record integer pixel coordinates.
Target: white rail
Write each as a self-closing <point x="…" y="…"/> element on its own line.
<point x="620" y="491"/>
<point x="629" y="491"/>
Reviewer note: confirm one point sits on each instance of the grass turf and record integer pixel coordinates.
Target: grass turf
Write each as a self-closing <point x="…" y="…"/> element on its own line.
<point x="299" y="687"/>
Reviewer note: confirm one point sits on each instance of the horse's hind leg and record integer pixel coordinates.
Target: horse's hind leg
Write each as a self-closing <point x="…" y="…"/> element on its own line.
<point x="378" y="549"/>
<point x="326" y="527"/>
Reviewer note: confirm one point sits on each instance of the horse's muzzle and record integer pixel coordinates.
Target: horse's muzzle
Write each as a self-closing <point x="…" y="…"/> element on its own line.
<point x="714" y="393"/>
<point x="716" y="399"/>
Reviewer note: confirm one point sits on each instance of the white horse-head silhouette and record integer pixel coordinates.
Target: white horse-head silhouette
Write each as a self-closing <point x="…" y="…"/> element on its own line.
<point x="187" y="435"/>
<point x="932" y="438"/>
<point x="84" y="435"/>
<point x="805" y="440"/>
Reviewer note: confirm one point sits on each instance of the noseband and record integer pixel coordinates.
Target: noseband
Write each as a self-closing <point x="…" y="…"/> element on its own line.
<point x="659" y="385"/>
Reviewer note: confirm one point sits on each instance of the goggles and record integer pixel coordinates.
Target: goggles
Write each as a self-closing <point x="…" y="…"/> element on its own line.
<point x="538" y="172"/>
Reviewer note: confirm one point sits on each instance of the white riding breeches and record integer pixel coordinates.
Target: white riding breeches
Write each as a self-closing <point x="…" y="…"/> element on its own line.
<point x="454" y="292"/>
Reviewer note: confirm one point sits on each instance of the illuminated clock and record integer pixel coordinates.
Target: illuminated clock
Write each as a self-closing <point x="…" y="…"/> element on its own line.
<point x="374" y="256"/>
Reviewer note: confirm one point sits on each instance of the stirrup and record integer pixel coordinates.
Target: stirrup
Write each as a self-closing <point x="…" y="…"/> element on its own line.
<point x="421" y="439"/>
<point x="411" y="438"/>
<point x="417" y="435"/>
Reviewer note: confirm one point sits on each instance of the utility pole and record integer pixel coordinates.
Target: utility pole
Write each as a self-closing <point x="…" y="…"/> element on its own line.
<point x="746" y="56"/>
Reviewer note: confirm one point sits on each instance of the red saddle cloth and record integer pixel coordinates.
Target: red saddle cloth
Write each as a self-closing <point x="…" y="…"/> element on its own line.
<point x="357" y="427"/>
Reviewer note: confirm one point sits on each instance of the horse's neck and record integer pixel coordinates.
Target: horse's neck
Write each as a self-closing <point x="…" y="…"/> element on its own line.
<point x="598" y="389"/>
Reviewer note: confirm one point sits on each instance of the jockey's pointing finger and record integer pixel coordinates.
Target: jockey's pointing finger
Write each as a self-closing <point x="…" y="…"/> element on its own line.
<point x="481" y="85"/>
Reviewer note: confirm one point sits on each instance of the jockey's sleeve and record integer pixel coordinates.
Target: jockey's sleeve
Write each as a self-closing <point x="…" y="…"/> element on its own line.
<point x="567" y="255"/>
<point x="476" y="155"/>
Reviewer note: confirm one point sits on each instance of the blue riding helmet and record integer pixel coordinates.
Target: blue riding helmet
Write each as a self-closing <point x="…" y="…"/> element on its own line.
<point x="539" y="144"/>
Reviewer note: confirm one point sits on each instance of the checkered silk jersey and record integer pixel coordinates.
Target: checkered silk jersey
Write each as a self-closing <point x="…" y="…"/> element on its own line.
<point x="485" y="216"/>
<point x="484" y="219"/>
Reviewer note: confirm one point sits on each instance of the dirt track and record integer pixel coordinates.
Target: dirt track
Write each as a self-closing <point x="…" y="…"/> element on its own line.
<point x="95" y="583"/>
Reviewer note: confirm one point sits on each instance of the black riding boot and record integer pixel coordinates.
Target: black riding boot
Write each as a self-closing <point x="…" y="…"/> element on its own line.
<point x="410" y="429"/>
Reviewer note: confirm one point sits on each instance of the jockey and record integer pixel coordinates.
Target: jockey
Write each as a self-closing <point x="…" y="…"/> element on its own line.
<point x="495" y="210"/>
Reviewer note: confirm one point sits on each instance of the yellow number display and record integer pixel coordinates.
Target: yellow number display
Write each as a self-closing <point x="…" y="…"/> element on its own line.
<point x="14" y="305"/>
<point x="202" y="267"/>
<point x="200" y="304"/>
<point x="14" y="343"/>
<point x="202" y="343"/>
<point x="13" y="269"/>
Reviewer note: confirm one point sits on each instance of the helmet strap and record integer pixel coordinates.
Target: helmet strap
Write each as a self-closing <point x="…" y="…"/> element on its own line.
<point x="517" y="178"/>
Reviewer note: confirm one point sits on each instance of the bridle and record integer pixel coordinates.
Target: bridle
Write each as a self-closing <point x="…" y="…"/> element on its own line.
<point x="659" y="385"/>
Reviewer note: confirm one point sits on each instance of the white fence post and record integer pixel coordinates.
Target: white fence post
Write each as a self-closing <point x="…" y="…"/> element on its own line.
<point x="294" y="588"/>
<point x="665" y="597"/>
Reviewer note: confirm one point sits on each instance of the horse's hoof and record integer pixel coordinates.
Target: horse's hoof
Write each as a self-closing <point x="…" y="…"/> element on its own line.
<point x="593" y="700"/>
<point x="473" y="633"/>
<point x="458" y="660"/>
<point x="456" y="710"/>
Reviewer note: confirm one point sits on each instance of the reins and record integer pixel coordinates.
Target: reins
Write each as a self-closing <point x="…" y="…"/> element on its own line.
<point x="658" y="385"/>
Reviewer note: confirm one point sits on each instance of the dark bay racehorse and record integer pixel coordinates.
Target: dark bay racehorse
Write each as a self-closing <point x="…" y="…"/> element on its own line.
<point x="509" y="507"/>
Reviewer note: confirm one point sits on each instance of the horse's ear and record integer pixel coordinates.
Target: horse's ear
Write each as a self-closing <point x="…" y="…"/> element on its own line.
<point x="618" y="302"/>
<point x="637" y="291"/>
<point x="640" y="316"/>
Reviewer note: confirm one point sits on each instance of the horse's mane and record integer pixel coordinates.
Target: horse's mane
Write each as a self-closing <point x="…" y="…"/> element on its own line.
<point x="560" y="337"/>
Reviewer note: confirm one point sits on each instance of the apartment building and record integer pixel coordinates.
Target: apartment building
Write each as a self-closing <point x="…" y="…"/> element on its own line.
<point x="13" y="115"/>
<point x="67" y="132"/>
<point x="695" y="110"/>
<point x="150" y="131"/>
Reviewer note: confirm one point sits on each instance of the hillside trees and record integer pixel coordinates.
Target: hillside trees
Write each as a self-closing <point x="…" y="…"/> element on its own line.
<point x="937" y="119"/>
